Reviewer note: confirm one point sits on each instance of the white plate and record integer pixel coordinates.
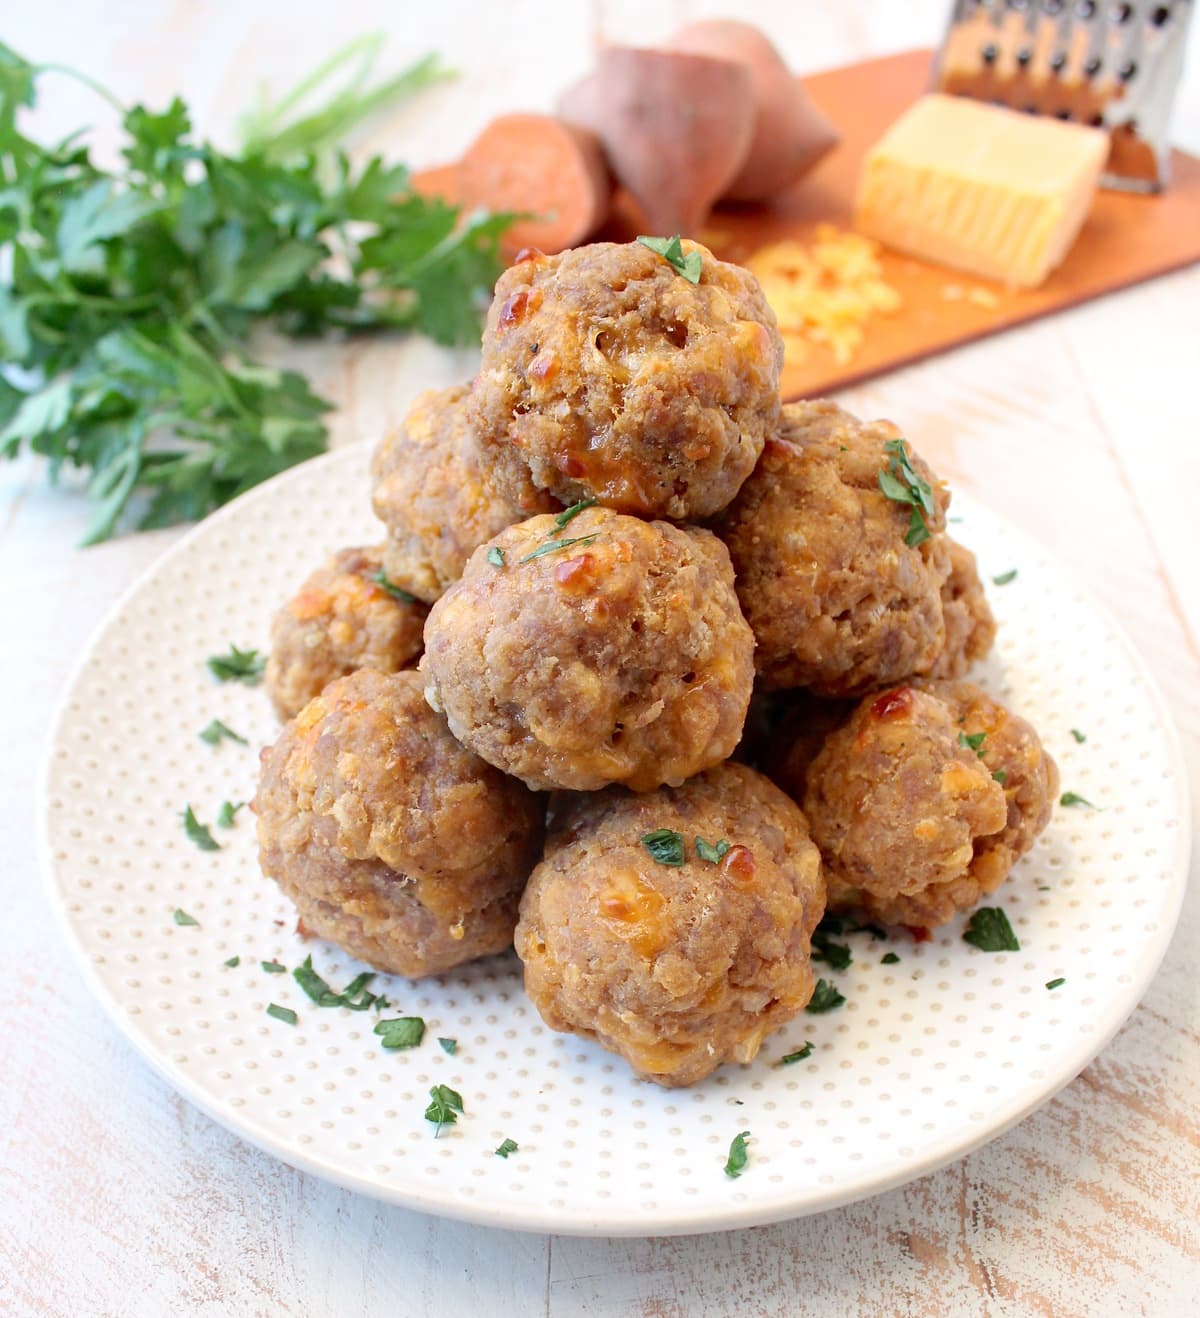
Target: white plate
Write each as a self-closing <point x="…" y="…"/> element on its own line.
<point x="928" y="1059"/>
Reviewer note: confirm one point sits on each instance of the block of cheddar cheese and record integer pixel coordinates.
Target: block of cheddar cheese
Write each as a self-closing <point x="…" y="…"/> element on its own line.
<point x="980" y="188"/>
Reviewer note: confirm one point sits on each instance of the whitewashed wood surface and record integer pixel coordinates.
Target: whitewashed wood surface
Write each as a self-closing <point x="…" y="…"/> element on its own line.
<point x="116" y="1197"/>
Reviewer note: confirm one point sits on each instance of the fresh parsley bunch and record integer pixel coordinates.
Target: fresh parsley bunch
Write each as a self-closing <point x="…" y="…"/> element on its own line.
<point x="126" y="297"/>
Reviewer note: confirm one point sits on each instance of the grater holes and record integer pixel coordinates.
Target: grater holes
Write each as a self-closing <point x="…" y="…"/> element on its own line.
<point x="1093" y="65"/>
<point x="1086" y="8"/>
<point x="1127" y="71"/>
<point x="1161" y="15"/>
<point x="1122" y="13"/>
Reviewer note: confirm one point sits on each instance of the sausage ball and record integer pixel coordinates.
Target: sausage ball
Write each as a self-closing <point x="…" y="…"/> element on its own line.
<point x="837" y="598"/>
<point x="606" y="374"/>
<point x="342" y="619"/>
<point x="600" y="649"/>
<point x="925" y="799"/>
<point x="392" y="840"/>
<point x="801" y="724"/>
<point x="678" y="961"/>
<point x="429" y="491"/>
<point x="970" y="624"/>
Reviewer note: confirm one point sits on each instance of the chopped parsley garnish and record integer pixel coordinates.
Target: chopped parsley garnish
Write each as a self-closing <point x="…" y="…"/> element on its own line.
<point x="836" y="955"/>
<point x="449" y="1046"/>
<point x="237" y="666"/>
<point x="825" y="998"/>
<point x="710" y="852"/>
<point x="382" y="579"/>
<point x="798" y="1056"/>
<point x="573" y="511"/>
<point x="990" y="931"/>
<point x="889" y="959"/>
<point x="553" y="546"/>
<point x="671" y="250"/>
<point x="401" y="1031"/>
<point x="198" y="832"/>
<point x="227" y="813"/>
<point x="217" y="732"/>
<point x="1079" y="737"/>
<point x="182" y="917"/>
<point x="735" y="1164"/>
<point x="444" y="1107"/>
<point x="495" y="556"/>
<point x="234" y="962"/>
<point x="1055" y="983"/>
<point x="901" y="483"/>
<point x="665" y="845"/>
<point x="1073" y="798"/>
<point x="1001" y="776"/>
<point x="284" y="1014"/>
<point x="310" y="981"/>
<point x="273" y="968"/>
<point x="1005" y="577"/>
<point x="973" y="741"/>
<point x="507" y="1146"/>
<point x="354" y="995"/>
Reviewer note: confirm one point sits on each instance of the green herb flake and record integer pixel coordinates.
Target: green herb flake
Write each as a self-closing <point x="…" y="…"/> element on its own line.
<point x="1073" y="798"/>
<point x="507" y="1146"/>
<point x="354" y="996"/>
<point x="800" y="1055"/>
<point x="901" y="483"/>
<point x="889" y="959"/>
<point x="1000" y="776"/>
<point x="228" y="812"/>
<point x="1005" y="577"/>
<point x="382" y="580"/>
<point x="711" y="852"/>
<point x="444" y="1107"/>
<point x="273" y="968"/>
<point x="553" y="546"/>
<point x="310" y="981"/>
<point x="198" y="832"/>
<point x="572" y="512"/>
<point x="237" y="666"/>
<point x="665" y="845"/>
<point x="1055" y="983"/>
<point x="973" y="741"/>
<point x="825" y="998"/>
<point x="495" y="556"/>
<point x="990" y="931"/>
<point x="448" y="1046"/>
<point x="671" y="250"/>
<point x="234" y="962"/>
<point x="217" y="732"/>
<point x="284" y="1014"/>
<point x="1079" y="736"/>
<point x="183" y="918"/>
<point x="401" y="1031"/>
<point x="835" y="955"/>
<point x="735" y="1164"/>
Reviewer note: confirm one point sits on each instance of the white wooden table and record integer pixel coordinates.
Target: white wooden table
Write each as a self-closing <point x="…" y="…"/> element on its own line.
<point x="116" y="1197"/>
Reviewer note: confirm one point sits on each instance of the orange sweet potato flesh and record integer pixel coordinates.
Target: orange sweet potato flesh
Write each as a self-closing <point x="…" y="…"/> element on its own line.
<point x="538" y="164"/>
<point x="676" y="128"/>
<point x="790" y="133"/>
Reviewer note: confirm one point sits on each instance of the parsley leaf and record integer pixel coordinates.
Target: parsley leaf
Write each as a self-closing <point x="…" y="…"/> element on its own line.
<point x="284" y="1014"/>
<point x="800" y="1055"/>
<point x="1001" y="776"/>
<point x="1005" y="577"/>
<point x="990" y="931"/>
<point x="671" y="250"/>
<point x="218" y="731"/>
<point x="1079" y="736"/>
<point x="198" y="832"/>
<point x="1055" y="983"/>
<point x="444" y="1107"/>
<point x="449" y="1046"/>
<point x="354" y="996"/>
<point x="273" y="968"/>
<point x="227" y="813"/>
<point x="665" y="845"/>
<point x="836" y="955"/>
<point x="237" y="666"/>
<point x="233" y="962"/>
<point x="573" y="511"/>
<point x="507" y="1146"/>
<point x="973" y="741"/>
<point x="889" y="959"/>
<point x="825" y="998"/>
<point x="382" y="580"/>
<point x="710" y="852"/>
<point x="553" y="546"/>
<point x="495" y="556"/>
<point x="401" y="1031"/>
<point x="735" y="1164"/>
<point x="900" y="482"/>
<point x="1073" y="798"/>
<point x="183" y="918"/>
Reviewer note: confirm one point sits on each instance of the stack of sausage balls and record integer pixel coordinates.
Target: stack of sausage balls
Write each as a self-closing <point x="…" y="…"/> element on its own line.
<point x="524" y="716"/>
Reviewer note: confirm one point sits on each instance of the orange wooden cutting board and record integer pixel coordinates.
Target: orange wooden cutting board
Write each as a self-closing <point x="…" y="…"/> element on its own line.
<point x="1126" y="239"/>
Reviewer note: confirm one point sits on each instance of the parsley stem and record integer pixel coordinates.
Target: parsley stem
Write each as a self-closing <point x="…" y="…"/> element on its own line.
<point x="90" y="83"/>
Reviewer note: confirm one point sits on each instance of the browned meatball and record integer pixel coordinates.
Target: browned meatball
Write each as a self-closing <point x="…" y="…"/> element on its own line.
<point x="925" y="799"/>
<point x="970" y="625"/>
<point x="602" y="650"/>
<point x="392" y="840"/>
<point x="676" y="967"/>
<point x="342" y="619"/>
<point x="430" y="493"/>
<point x="837" y="599"/>
<point x="606" y="374"/>
<point x="798" y="731"/>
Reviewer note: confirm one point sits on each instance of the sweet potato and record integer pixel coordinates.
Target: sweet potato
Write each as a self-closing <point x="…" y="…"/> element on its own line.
<point x="532" y="162"/>
<point x="790" y="133"/>
<point x="676" y="128"/>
